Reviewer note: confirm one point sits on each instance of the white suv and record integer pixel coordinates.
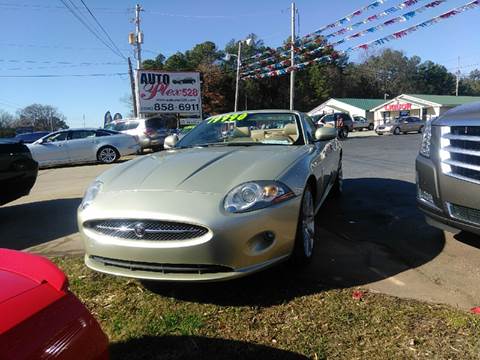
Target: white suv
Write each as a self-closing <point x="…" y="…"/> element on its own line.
<point x="149" y="132"/>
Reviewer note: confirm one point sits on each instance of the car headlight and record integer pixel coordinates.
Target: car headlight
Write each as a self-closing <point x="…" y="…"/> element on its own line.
<point x="256" y="195"/>
<point x="426" y="140"/>
<point x="91" y="194"/>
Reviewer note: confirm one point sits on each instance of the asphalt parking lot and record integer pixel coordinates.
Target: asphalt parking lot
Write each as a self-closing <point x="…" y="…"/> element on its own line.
<point x="374" y="237"/>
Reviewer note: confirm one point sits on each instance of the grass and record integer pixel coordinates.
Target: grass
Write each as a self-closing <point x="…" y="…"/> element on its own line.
<point x="269" y="316"/>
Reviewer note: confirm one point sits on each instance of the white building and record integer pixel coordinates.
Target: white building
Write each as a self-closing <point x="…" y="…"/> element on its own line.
<point x="354" y="107"/>
<point x="423" y="106"/>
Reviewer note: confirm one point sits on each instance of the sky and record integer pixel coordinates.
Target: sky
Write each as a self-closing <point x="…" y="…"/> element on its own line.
<point x="42" y="37"/>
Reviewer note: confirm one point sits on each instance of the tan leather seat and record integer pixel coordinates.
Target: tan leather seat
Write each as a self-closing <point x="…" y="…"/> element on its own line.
<point x="241" y="132"/>
<point x="290" y="131"/>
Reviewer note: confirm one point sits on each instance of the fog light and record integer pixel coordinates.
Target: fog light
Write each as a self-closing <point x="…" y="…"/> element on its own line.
<point x="426" y="198"/>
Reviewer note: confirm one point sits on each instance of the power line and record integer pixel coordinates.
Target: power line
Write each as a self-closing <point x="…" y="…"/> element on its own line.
<point x="63" y="75"/>
<point x="79" y="18"/>
<point x="102" y="28"/>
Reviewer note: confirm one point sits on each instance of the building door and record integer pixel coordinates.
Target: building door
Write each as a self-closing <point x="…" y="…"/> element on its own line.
<point x="424" y="114"/>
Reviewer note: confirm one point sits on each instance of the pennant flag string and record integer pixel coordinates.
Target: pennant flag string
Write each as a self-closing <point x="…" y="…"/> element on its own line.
<point x="267" y="62"/>
<point x="394" y="36"/>
<point x="389" y="11"/>
<point x="402" y="33"/>
<point x="316" y="37"/>
<point x="349" y="17"/>
<point x="402" y="18"/>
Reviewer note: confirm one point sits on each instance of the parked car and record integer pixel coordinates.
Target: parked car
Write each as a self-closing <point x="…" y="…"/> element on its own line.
<point x="342" y="121"/>
<point x="75" y="146"/>
<point x="237" y="194"/>
<point x="401" y="125"/>
<point x="41" y="318"/>
<point x="185" y="81"/>
<point x="28" y="138"/>
<point x="448" y="170"/>
<point x="18" y="171"/>
<point x="361" y="123"/>
<point x="150" y="132"/>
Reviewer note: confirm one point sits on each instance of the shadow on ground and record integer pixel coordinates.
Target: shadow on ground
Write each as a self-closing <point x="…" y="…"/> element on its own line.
<point x="375" y="231"/>
<point x="195" y="347"/>
<point x="468" y="238"/>
<point x="31" y="224"/>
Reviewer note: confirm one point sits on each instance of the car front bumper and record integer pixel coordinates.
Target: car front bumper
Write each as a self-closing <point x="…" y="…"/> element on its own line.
<point x="234" y="242"/>
<point x="440" y="193"/>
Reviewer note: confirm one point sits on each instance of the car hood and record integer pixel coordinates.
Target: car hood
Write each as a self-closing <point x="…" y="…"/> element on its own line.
<point x="210" y="169"/>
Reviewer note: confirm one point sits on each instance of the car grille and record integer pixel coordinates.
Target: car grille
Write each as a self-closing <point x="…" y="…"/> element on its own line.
<point x="146" y="229"/>
<point x="460" y="155"/>
<point x="162" y="268"/>
<point x="465" y="214"/>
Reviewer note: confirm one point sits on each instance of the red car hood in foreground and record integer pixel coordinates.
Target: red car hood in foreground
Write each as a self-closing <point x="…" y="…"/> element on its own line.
<point x="40" y="317"/>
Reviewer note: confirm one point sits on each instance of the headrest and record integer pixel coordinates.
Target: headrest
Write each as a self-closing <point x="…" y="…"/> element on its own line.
<point x="241" y="132"/>
<point x="290" y="129"/>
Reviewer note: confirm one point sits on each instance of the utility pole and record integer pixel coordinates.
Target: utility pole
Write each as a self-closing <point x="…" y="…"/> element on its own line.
<point x="138" y="36"/>
<point x="132" y="85"/>
<point x="84" y="121"/>
<point x="238" y="74"/>
<point x="292" y="59"/>
<point x="458" y="73"/>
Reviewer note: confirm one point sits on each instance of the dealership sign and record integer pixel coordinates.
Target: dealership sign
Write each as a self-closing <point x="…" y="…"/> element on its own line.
<point x="398" y="107"/>
<point x="169" y="92"/>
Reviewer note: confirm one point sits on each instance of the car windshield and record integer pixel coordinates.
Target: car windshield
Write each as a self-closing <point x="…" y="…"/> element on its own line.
<point x="245" y="129"/>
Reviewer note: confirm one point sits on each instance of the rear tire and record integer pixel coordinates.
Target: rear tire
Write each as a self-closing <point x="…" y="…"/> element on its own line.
<point x="107" y="155"/>
<point x="420" y="130"/>
<point x="371" y="127"/>
<point x="305" y="239"/>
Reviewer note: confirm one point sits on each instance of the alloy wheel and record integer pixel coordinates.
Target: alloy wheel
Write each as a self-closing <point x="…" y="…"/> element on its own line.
<point x="308" y="224"/>
<point x="107" y="155"/>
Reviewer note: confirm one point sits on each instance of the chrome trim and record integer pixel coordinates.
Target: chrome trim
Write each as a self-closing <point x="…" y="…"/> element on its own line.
<point x="148" y="231"/>
<point x="457" y="150"/>
<point x="428" y="203"/>
<point x="451" y="136"/>
<point x="448" y="149"/>
<point x="461" y="164"/>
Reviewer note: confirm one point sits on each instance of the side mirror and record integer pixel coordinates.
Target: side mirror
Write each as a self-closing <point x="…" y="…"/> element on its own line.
<point x="170" y="141"/>
<point x="325" y="133"/>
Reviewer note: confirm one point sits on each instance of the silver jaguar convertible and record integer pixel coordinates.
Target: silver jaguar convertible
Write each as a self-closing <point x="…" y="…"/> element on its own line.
<point x="237" y="194"/>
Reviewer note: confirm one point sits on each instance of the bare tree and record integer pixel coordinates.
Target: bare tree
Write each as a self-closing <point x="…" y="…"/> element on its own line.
<point x="41" y="117"/>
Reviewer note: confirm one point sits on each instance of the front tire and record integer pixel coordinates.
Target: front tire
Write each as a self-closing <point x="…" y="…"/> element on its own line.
<point x="305" y="238"/>
<point x="107" y="155"/>
<point x="420" y="130"/>
<point x="371" y="127"/>
<point x="396" y="131"/>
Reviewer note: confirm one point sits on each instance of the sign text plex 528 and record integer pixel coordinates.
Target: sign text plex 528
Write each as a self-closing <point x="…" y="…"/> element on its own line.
<point x="167" y="92"/>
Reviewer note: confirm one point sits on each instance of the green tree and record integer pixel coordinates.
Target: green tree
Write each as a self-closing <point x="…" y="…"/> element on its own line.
<point x="435" y="79"/>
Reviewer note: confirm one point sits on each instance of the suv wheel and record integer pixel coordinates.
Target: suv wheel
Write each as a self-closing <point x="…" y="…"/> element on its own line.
<point x="370" y="127"/>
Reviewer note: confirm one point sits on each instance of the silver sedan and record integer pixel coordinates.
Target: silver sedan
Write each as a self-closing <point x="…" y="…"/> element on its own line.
<point x="81" y="146"/>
